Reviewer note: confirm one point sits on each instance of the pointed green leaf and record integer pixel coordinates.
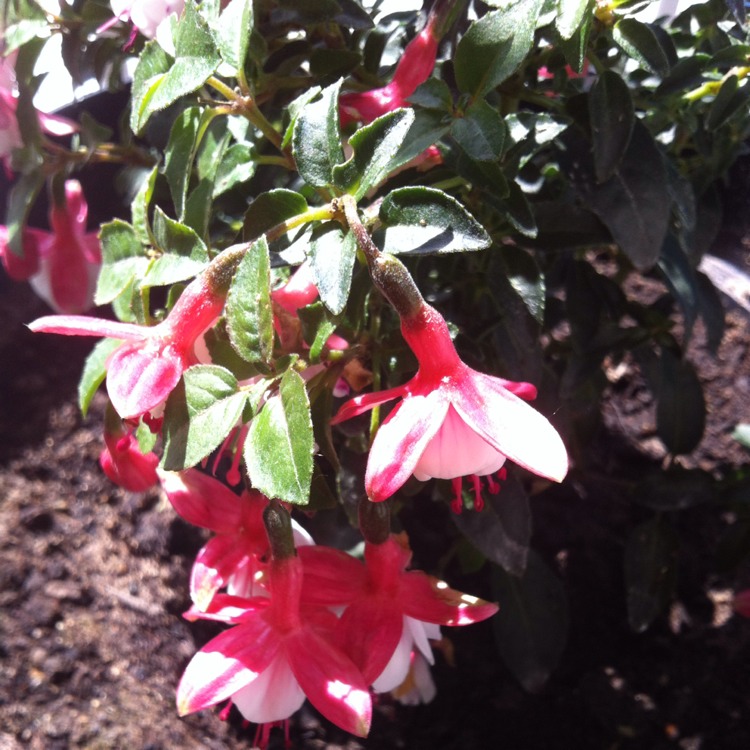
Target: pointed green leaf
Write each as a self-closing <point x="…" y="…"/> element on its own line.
<point x="178" y="156"/>
<point x="375" y="148"/>
<point x="316" y="140"/>
<point x="480" y="132"/>
<point x="421" y="220"/>
<point x="199" y="415"/>
<point x="233" y="32"/>
<point x="94" y="371"/>
<point x="570" y="15"/>
<point x="638" y="40"/>
<point x="123" y="260"/>
<point x="650" y="572"/>
<point x="612" y="116"/>
<point x="183" y="252"/>
<point x="270" y="209"/>
<point x="531" y="627"/>
<point x="237" y="166"/>
<point x="153" y="65"/>
<point x="332" y="256"/>
<point x="279" y="446"/>
<point x="140" y="206"/>
<point x="494" y="46"/>
<point x="248" y="312"/>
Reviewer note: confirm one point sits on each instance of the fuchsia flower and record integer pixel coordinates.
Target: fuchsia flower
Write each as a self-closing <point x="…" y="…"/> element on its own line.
<point x="276" y="654"/>
<point x="391" y="613"/>
<point x="145" y="369"/>
<point x="125" y="465"/>
<point x="146" y="15"/>
<point x="237" y="556"/>
<point x="453" y="421"/>
<point x="63" y="265"/>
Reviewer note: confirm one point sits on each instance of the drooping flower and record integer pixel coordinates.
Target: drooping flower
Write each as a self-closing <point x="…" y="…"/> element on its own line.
<point x="276" y="654"/>
<point x="236" y="557"/>
<point x="391" y="612"/>
<point x="453" y="421"/>
<point x="125" y="465"/>
<point x="145" y="369"/>
<point x="63" y="265"/>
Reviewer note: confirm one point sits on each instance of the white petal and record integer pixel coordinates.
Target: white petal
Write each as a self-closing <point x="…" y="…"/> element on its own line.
<point x="457" y="451"/>
<point x="422" y="633"/>
<point x="275" y="695"/>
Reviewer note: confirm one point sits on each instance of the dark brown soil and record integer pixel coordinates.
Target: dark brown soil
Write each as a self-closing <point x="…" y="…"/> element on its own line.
<point x="94" y="579"/>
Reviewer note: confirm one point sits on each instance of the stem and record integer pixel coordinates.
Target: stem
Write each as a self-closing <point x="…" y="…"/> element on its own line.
<point x="226" y="91"/>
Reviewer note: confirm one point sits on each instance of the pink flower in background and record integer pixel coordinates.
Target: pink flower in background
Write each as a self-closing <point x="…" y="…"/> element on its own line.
<point x="145" y="369"/>
<point x="276" y="654"/>
<point x="146" y="15"/>
<point x="453" y="421"/>
<point x="391" y="612"/>
<point x="63" y="265"/>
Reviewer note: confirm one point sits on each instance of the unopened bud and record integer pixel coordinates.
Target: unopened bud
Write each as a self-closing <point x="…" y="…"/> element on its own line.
<point x="390" y="276"/>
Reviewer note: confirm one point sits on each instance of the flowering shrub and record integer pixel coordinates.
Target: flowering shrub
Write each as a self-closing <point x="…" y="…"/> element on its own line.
<point x="523" y="161"/>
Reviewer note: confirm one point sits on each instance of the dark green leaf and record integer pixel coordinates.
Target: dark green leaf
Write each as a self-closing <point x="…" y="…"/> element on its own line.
<point x="675" y="489"/>
<point x="570" y="15"/>
<point x="730" y="99"/>
<point x="233" y="32"/>
<point x="421" y="220"/>
<point x="375" y="148"/>
<point x="531" y="627"/>
<point x="638" y="40"/>
<point x="428" y="128"/>
<point x="198" y="207"/>
<point x="332" y="256"/>
<point x="681" y="280"/>
<point x="237" y="166"/>
<point x="270" y="209"/>
<point x="681" y="407"/>
<point x="480" y="132"/>
<point x="179" y="153"/>
<point x="612" y="117"/>
<point x="502" y="530"/>
<point x="123" y="260"/>
<point x="316" y="140"/>
<point x="279" y="446"/>
<point x="199" y="415"/>
<point x="650" y="572"/>
<point x="248" y="311"/>
<point x="494" y="46"/>
<point x="526" y="279"/>
<point x="94" y="371"/>
<point x="516" y="210"/>
<point x="711" y="311"/>
<point x="183" y="252"/>
<point x="433" y="94"/>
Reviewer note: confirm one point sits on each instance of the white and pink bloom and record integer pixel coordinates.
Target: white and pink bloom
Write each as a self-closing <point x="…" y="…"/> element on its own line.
<point x="61" y="265"/>
<point x="453" y="421"/>
<point x="391" y="612"/>
<point x="276" y="654"/>
<point x="146" y="368"/>
<point x="147" y="15"/>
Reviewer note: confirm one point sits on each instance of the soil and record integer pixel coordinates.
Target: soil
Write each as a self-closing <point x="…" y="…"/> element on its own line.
<point x="93" y="581"/>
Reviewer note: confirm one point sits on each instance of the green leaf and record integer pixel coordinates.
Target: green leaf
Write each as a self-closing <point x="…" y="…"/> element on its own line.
<point x="525" y="278"/>
<point x="233" y="32"/>
<point x="200" y="414"/>
<point x="530" y="132"/>
<point x="26" y="20"/>
<point x="741" y="434"/>
<point x="179" y="153"/>
<point x="433" y="94"/>
<point x="428" y="128"/>
<point x="332" y="256"/>
<point x="237" y="166"/>
<point x="502" y="530"/>
<point x="639" y="41"/>
<point x="731" y="98"/>
<point x="198" y="206"/>
<point x="681" y="280"/>
<point x="480" y="132"/>
<point x="140" y="205"/>
<point x="421" y="220"/>
<point x="650" y="572"/>
<point x="681" y="407"/>
<point x="612" y="116"/>
<point x="316" y="139"/>
<point x="94" y="371"/>
<point x="20" y="200"/>
<point x="494" y="46"/>
<point x="249" y="313"/>
<point x="184" y="254"/>
<point x="515" y="209"/>
<point x="196" y="58"/>
<point x="570" y="15"/>
<point x="317" y="326"/>
<point x="123" y="260"/>
<point x="279" y="446"/>
<point x="375" y="148"/>
<point x="270" y="209"/>
<point x="531" y="627"/>
<point x="675" y="489"/>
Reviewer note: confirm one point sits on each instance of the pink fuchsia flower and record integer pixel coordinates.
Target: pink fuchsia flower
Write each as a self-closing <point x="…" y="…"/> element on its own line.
<point x="276" y="654"/>
<point x="391" y="612"/>
<point x="63" y="265"/>
<point x="236" y="558"/>
<point x="453" y="421"/>
<point x="125" y="465"/>
<point x="145" y="369"/>
<point x="146" y="15"/>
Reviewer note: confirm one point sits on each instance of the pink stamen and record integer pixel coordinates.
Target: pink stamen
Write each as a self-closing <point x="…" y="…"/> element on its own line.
<point x="478" y="499"/>
<point x="492" y="485"/>
<point x="457" y="503"/>
<point x="502" y="474"/>
<point x="224" y="713"/>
